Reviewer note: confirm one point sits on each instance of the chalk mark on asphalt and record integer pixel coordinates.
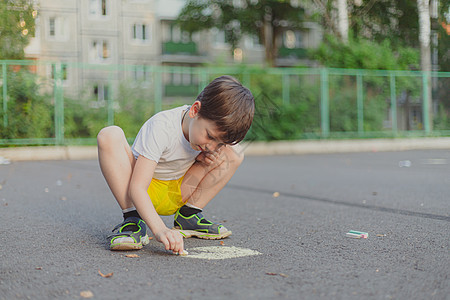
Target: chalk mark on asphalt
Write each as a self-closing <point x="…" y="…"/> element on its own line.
<point x="220" y="252"/>
<point x="344" y="203"/>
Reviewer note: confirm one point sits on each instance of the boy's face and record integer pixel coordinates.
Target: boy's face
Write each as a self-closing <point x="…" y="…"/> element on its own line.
<point x="203" y="133"/>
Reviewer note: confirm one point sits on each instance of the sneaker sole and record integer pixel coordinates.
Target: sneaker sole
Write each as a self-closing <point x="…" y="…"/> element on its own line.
<point x="202" y="235"/>
<point x="130" y="246"/>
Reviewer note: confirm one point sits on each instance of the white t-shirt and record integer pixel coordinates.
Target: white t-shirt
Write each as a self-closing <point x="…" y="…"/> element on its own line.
<point x="161" y="139"/>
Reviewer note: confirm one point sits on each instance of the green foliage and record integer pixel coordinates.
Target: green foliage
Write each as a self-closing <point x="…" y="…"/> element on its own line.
<point x="31" y="111"/>
<point x="29" y="114"/>
<point x="442" y="118"/>
<point x="235" y="20"/>
<point x="275" y="120"/>
<point x="444" y="48"/>
<point x="85" y="118"/>
<point x="17" y="25"/>
<point x="364" y="54"/>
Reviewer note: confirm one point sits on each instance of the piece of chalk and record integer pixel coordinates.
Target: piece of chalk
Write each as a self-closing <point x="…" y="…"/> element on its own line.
<point x="353" y="235"/>
<point x="357" y="234"/>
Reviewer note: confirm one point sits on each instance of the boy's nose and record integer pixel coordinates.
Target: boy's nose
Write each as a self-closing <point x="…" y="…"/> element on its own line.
<point x="211" y="147"/>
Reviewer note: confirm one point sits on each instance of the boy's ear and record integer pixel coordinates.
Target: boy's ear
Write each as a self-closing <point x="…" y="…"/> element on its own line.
<point x="195" y="108"/>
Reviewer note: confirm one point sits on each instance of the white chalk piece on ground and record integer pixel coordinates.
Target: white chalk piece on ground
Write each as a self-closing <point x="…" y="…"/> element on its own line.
<point x="357" y="234"/>
<point x="4" y="161"/>
<point x="220" y="252"/>
<point x="404" y="163"/>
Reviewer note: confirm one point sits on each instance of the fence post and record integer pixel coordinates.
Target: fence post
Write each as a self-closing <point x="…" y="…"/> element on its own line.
<point x="59" y="105"/>
<point x="425" y="107"/>
<point x="5" y="95"/>
<point x="286" y="87"/>
<point x="158" y="90"/>
<point x="324" y="103"/>
<point x="203" y="80"/>
<point x="247" y="80"/>
<point x="393" y="104"/>
<point x="110" y="101"/>
<point x="360" y="103"/>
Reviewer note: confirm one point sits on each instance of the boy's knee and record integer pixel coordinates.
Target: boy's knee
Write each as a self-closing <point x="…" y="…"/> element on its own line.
<point x="233" y="156"/>
<point x="109" y="135"/>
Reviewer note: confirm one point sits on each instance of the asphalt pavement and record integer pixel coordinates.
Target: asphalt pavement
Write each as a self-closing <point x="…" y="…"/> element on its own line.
<point x="293" y="212"/>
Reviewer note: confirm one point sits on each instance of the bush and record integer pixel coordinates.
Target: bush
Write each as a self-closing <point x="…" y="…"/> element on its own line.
<point x="29" y="114"/>
<point x="360" y="53"/>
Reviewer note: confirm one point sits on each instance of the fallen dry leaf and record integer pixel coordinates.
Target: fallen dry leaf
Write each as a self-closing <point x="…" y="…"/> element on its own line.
<point x="222" y="243"/>
<point x="86" y="294"/>
<point x="105" y="275"/>
<point x="276" y="195"/>
<point x="132" y="255"/>
<point x="283" y="275"/>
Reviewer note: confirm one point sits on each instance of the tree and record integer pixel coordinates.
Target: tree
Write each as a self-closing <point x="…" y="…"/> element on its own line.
<point x="266" y="19"/>
<point x="425" y="50"/>
<point x="16" y="27"/>
<point x="343" y="20"/>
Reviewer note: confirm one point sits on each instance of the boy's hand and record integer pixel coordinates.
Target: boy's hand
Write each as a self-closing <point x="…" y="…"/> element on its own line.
<point x="210" y="158"/>
<point x="172" y="240"/>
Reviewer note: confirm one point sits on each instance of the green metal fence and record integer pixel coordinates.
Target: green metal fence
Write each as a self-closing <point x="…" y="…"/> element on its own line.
<point x="67" y="103"/>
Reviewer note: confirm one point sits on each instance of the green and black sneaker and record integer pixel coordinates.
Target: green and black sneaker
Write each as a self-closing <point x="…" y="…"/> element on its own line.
<point x="131" y="234"/>
<point x="197" y="226"/>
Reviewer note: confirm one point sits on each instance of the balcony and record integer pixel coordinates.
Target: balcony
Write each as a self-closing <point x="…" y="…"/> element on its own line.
<point x="189" y="48"/>
<point x="298" y="53"/>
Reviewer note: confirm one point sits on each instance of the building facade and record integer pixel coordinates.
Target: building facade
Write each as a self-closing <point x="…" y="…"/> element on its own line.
<point x="85" y="38"/>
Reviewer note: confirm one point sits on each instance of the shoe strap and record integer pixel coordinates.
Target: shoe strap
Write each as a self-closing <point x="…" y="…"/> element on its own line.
<point x="124" y="233"/>
<point x="125" y="222"/>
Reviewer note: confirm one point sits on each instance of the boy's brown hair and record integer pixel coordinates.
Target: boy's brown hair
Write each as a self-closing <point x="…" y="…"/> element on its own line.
<point x="230" y="105"/>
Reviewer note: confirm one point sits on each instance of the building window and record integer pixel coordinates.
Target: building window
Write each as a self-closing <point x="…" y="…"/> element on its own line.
<point x="141" y="73"/>
<point x="101" y="92"/>
<point x="63" y="71"/>
<point x="292" y="39"/>
<point x="141" y="32"/>
<point x="252" y="42"/>
<point x="219" y="37"/>
<point x="58" y="29"/>
<point x="99" y="8"/>
<point x="100" y="51"/>
<point x="51" y="25"/>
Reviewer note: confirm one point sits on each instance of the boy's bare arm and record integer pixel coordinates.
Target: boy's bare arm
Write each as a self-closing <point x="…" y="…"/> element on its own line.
<point x="211" y="158"/>
<point x="140" y="181"/>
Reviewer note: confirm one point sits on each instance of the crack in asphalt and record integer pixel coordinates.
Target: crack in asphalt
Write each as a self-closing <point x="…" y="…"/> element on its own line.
<point x="344" y="203"/>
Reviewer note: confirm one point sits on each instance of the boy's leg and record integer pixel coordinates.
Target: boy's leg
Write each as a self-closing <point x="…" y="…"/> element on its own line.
<point x="203" y="182"/>
<point x="200" y="185"/>
<point x="117" y="163"/>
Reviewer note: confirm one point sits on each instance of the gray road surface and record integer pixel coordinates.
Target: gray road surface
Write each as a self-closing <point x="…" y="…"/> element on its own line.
<point x="55" y="216"/>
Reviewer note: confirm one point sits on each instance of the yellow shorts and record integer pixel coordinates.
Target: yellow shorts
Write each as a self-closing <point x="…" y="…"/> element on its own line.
<point x="166" y="195"/>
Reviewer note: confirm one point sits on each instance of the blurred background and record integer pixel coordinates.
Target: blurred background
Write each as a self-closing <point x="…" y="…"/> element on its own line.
<point x="318" y="69"/>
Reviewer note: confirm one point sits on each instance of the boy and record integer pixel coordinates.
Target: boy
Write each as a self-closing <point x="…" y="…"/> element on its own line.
<point x="180" y="160"/>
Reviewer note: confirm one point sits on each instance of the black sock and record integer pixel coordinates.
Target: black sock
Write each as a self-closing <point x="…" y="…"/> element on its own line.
<point x="188" y="211"/>
<point x="132" y="213"/>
